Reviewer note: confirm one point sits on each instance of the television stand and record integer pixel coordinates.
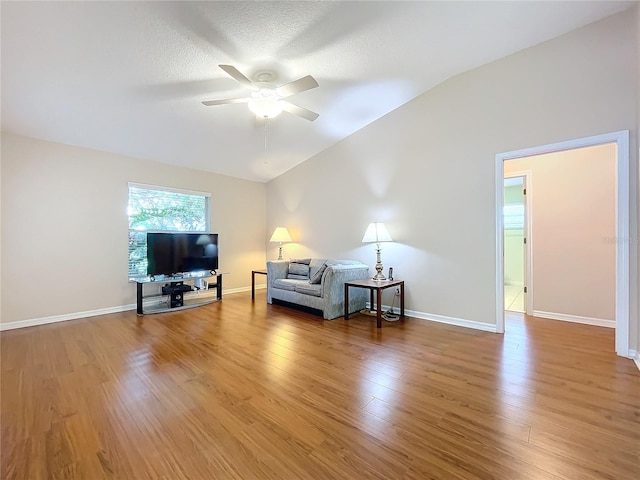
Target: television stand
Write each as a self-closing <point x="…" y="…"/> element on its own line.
<point x="175" y="294"/>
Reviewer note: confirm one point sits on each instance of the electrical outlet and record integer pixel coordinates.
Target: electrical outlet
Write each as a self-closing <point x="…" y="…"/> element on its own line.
<point x="397" y="291"/>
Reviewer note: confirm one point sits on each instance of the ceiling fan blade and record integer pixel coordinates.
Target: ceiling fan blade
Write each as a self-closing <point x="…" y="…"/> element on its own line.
<point x="234" y="73"/>
<point x="224" y="101"/>
<point x="299" y="111"/>
<point x="301" y="85"/>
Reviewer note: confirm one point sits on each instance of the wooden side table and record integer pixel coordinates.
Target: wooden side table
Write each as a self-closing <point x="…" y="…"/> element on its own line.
<point x="374" y="286"/>
<point x="253" y="281"/>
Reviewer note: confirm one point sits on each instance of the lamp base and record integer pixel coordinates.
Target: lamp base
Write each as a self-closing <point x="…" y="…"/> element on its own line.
<point x="378" y="277"/>
<point x="280" y="253"/>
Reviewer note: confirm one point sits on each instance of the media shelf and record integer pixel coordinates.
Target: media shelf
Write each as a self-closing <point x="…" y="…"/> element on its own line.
<point x="176" y="294"/>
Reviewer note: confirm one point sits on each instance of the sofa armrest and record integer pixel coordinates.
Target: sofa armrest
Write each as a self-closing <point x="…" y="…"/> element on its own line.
<point x="336" y="275"/>
<point x="333" y="282"/>
<point x="275" y="269"/>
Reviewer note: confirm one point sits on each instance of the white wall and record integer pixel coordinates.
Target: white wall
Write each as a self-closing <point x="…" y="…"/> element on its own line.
<point x="572" y="200"/>
<point x="64" y="226"/>
<point x="427" y="169"/>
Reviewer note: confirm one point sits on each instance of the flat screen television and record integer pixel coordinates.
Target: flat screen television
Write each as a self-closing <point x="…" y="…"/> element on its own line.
<point x="176" y="253"/>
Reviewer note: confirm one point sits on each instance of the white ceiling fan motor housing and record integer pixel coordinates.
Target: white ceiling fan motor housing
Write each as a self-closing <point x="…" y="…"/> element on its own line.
<point x="265" y="100"/>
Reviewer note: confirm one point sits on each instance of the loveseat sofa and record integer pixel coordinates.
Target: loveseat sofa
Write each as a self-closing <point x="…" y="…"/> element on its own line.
<point x="317" y="284"/>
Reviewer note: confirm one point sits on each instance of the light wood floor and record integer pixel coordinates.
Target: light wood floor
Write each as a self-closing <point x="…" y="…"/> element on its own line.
<point x="242" y="390"/>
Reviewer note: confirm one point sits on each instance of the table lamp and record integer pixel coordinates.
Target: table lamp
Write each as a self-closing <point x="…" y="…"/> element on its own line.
<point x="280" y="235"/>
<point x="376" y="232"/>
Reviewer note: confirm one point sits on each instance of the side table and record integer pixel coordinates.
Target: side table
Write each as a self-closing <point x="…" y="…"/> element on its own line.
<point x="374" y="286"/>
<point x="253" y="281"/>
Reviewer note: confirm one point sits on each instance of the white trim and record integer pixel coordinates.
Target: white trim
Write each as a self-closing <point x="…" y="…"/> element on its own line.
<point x="432" y="317"/>
<point x="240" y="290"/>
<point x="32" y="322"/>
<point x="599" y="322"/>
<point x="459" y="322"/>
<point x="499" y="192"/>
<point x="635" y="356"/>
<point x="621" y="139"/>
<point x="162" y="188"/>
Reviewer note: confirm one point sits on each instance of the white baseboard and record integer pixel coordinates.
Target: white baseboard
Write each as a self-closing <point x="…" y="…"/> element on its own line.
<point x="458" y="322"/>
<point x="635" y="356"/>
<point x="238" y="290"/>
<point x="32" y="322"/>
<point x="599" y="322"/>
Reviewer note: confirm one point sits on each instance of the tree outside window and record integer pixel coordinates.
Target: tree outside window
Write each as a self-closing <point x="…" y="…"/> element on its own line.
<point x="160" y="209"/>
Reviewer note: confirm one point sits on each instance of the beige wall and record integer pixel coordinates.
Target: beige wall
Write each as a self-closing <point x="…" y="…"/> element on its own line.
<point x="427" y="168"/>
<point x="64" y="226"/>
<point x="572" y="210"/>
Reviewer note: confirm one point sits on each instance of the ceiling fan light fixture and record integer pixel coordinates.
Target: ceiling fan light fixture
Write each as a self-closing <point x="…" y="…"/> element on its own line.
<point x="267" y="100"/>
<point x="265" y="107"/>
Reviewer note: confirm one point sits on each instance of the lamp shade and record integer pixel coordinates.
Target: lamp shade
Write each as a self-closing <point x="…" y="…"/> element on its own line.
<point x="280" y="234"/>
<point x="376" y="232"/>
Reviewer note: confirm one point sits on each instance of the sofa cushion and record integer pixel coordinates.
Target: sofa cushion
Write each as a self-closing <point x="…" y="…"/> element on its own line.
<point x="305" y="261"/>
<point x="299" y="271"/>
<point x="298" y="277"/>
<point x="308" y="289"/>
<point x="316" y="277"/>
<point x="287" y="283"/>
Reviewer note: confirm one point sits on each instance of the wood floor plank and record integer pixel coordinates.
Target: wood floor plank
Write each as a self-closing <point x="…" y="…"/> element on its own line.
<point x="244" y="390"/>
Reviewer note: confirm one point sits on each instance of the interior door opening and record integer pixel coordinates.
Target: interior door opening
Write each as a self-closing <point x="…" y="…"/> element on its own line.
<point x="514" y="233"/>
<point x="581" y="245"/>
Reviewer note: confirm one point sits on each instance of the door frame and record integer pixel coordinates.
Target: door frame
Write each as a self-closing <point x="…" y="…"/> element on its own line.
<point x="528" y="233"/>
<point x="621" y="139"/>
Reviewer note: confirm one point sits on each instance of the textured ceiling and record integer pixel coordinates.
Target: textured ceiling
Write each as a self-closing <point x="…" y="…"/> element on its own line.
<point x="128" y="77"/>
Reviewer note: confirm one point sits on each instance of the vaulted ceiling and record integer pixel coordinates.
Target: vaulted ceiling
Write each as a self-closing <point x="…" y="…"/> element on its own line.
<point x="129" y="77"/>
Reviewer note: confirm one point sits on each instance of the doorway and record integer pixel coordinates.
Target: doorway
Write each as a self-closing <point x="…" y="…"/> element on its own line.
<point x="515" y="242"/>
<point x="621" y="230"/>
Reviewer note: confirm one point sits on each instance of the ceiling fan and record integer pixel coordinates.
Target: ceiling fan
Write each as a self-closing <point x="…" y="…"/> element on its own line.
<point x="268" y="100"/>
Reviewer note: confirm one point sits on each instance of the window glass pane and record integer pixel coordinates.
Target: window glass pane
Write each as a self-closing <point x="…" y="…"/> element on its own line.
<point x="166" y="211"/>
<point x="513" y="216"/>
<point x="156" y="209"/>
<point x="137" y="253"/>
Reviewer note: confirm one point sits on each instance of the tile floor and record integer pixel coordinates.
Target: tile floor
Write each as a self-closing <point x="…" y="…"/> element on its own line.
<point x="514" y="298"/>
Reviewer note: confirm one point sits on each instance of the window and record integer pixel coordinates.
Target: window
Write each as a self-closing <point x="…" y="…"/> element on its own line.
<point x="161" y="209"/>
<point x="514" y="216"/>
